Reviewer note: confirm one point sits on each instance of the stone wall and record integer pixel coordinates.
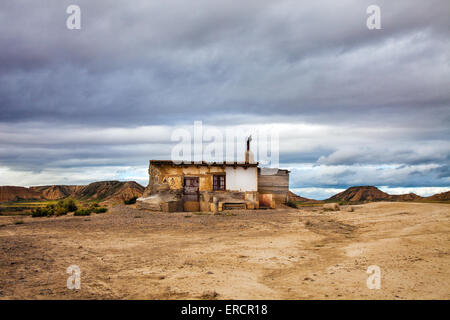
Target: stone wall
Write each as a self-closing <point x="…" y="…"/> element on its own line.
<point x="166" y="185"/>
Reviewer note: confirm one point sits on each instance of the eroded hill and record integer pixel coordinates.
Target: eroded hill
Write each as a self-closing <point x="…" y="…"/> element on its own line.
<point x="102" y="190"/>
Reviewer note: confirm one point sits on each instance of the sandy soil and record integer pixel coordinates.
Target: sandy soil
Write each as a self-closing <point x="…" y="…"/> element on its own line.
<point x="265" y="254"/>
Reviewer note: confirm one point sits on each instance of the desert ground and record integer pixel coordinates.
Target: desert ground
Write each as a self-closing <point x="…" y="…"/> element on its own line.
<point x="261" y="254"/>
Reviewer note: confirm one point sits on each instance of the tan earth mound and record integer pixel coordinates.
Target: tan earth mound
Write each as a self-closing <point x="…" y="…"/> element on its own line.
<point x="293" y="197"/>
<point x="11" y="193"/>
<point x="363" y="193"/>
<point x="109" y="191"/>
<point x="371" y="193"/>
<point x="444" y="196"/>
<point x="406" y="197"/>
<point x="103" y="190"/>
<point x="55" y="192"/>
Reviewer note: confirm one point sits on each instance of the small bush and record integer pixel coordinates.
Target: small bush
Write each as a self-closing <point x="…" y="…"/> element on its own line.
<point x="95" y="208"/>
<point x="292" y="204"/>
<point x="130" y="201"/>
<point x="99" y="210"/>
<point x="59" y="209"/>
<point x="82" y="212"/>
<point x="68" y="204"/>
<point x="42" y="212"/>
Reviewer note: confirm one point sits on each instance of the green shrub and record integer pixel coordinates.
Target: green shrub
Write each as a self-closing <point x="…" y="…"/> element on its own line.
<point x="292" y="204"/>
<point x="130" y="201"/>
<point x="59" y="209"/>
<point x="70" y="205"/>
<point x="82" y="212"/>
<point x="42" y="212"/>
<point x="95" y="208"/>
<point x="99" y="210"/>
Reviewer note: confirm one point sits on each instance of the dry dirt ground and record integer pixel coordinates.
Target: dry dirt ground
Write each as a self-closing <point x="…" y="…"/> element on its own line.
<point x="264" y="254"/>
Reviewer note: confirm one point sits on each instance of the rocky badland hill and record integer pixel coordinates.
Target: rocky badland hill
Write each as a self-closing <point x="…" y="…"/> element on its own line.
<point x="110" y="190"/>
<point x="12" y="193"/>
<point x="118" y="191"/>
<point x="103" y="190"/>
<point x="293" y="197"/>
<point x="444" y="196"/>
<point x="371" y="193"/>
<point x="407" y="197"/>
<point x="363" y="193"/>
<point x="56" y="192"/>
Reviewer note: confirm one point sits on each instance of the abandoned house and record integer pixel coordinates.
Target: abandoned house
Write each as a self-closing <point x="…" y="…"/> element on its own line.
<point x="212" y="187"/>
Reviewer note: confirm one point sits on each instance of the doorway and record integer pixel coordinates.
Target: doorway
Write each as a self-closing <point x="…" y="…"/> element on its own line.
<point x="191" y="194"/>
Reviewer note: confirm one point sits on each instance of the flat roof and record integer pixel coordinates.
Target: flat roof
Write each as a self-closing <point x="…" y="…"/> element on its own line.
<point x="204" y="163"/>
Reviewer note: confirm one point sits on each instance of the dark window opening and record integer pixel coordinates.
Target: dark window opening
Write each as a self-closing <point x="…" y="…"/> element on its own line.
<point x="219" y="182"/>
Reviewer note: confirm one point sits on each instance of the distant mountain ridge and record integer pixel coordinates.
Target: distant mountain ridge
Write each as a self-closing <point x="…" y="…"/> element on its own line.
<point x="119" y="191"/>
<point x="407" y="197"/>
<point x="444" y="196"/>
<point x="293" y="197"/>
<point x="11" y="193"/>
<point x="372" y="193"/>
<point x="102" y="190"/>
<point x="361" y="193"/>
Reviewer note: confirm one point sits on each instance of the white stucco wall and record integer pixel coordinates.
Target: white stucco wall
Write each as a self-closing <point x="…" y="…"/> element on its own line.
<point x="240" y="179"/>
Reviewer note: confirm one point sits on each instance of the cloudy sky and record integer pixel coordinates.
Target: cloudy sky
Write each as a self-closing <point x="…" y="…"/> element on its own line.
<point x="352" y="106"/>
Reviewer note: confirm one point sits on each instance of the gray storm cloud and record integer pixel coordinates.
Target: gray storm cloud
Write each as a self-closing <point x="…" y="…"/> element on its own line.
<point x="351" y="100"/>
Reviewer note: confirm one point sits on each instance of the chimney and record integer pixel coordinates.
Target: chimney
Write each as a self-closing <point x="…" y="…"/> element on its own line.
<point x="249" y="158"/>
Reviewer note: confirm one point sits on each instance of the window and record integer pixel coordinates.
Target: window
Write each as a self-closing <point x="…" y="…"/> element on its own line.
<point x="219" y="182"/>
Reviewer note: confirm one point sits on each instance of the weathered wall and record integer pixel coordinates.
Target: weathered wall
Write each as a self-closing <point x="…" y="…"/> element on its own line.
<point x="173" y="176"/>
<point x="166" y="181"/>
<point x="276" y="184"/>
<point x="241" y="179"/>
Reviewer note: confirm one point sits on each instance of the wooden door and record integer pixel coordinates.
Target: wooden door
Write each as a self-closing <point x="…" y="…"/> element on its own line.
<point x="190" y="189"/>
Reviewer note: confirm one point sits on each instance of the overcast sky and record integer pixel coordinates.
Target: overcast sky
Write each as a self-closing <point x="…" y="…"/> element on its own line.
<point x="352" y="106"/>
